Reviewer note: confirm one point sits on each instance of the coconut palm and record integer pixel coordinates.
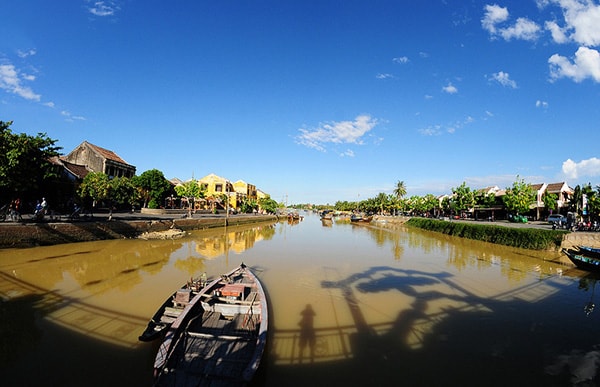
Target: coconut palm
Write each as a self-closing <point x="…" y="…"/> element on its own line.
<point x="400" y="189"/>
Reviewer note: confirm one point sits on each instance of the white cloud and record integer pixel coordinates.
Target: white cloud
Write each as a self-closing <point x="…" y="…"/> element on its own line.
<point x="589" y="167"/>
<point x="541" y="104"/>
<point x="384" y="76"/>
<point x="581" y="22"/>
<point x="558" y="33"/>
<point x="504" y="79"/>
<point x="25" y="54"/>
<point x="523" y="28"/>
<point x="70" y="117"/>
<point x="12" y="81"/>
<point x="104" y="8"/>
<point x="586" y="64"/>
<point x="450" y="89"/>
<point x="347" y="153"/>
<point x="343" y="132"/>
<point x="494" y="14"/>
<point x="434" y="130"/>
<point x="401" y="59"/>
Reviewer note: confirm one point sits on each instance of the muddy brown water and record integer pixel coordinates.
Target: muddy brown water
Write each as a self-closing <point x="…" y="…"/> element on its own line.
<point x="349" y="305"/>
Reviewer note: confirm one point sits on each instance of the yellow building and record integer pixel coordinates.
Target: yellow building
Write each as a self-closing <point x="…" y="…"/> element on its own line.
<point x="216" y="186"/>
<point x="245" y="189"/>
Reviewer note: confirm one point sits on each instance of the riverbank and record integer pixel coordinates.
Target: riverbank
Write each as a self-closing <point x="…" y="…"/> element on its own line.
<point x="569" y="239"/>
<point x="117" y="226"/>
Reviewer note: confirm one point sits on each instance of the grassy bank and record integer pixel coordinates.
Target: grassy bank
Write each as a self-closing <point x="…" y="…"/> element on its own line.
<point x="527" y="238"/>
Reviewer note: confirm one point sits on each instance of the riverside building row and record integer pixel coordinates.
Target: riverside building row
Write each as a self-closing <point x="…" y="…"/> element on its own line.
<point x="88" y="157"/>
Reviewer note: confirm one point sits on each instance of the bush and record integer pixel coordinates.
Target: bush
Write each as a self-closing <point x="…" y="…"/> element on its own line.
<point x="527" y="238"/>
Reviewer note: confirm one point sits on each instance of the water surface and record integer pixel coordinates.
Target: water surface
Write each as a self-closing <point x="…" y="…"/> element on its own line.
<point x="349" y="305"/>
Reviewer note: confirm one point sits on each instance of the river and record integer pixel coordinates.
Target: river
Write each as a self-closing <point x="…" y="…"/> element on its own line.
<point x="349" y="305"/>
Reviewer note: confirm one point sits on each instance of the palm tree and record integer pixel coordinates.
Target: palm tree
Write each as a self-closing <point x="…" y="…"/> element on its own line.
<point x="400" y="189"/>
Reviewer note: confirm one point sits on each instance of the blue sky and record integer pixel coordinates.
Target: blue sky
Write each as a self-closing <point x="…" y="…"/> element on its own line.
<point x="315" y="100"/>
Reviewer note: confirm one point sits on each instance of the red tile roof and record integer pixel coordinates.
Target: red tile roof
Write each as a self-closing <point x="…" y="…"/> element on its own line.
<point x="107" y="154"/>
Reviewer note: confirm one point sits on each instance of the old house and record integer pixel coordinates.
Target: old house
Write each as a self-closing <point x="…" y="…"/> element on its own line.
<point x="97" y="159"/>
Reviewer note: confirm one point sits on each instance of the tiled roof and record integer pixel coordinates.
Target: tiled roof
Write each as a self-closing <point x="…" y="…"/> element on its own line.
<point x="107" y="154"/>
<point x="555" y="187"/>
<point x="536" y="187"/>
<point x="78" y="170"/>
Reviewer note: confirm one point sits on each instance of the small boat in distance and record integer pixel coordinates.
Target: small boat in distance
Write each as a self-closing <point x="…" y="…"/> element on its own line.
<point x="219" y="338"/>
<point x="583" y="261"/>
<point x="172" y="308"/>
<point x="360" y="218"/>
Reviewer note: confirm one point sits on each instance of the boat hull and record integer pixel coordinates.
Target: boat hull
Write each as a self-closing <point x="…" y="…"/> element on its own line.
<point x="589" y="251"/>
<point x="582" y="261"/>
<point x="221" y="336"/>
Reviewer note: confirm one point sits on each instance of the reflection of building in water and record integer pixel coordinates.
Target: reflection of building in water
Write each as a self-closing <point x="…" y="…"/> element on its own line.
<point x="237" y="241"/>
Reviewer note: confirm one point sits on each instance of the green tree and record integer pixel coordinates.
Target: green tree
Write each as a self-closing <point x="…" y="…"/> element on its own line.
<point x="248" y="205"/>
<point x="268" y="205"/>
<point x="382" y="202"/>
<point x="95" y="186"/>
<point x="550" y="201"/>
<point x="400" y="189"/>
<point x="519" y="197"/>
<point x="430" y="203"/>
<point x="24" y="161"/>
<point x="122" y="191"/>
<point x="463" y="198"/>
<point x="153" y="187"/>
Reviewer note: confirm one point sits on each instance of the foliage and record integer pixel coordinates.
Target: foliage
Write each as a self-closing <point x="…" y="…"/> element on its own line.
<point x="152" y="187"/>
<point x="248" y="205"/>
<point x="95" y="186"/>
<point x="345" y="206"/>
<point x="268" y="205"/>
<point x="24" y="160"/>
<point x="190" y="189"/>
<point x="550" y="200"/>
<point x="98" y="187"/>
<point x="400" y="189"/>
<point x="527" y="238"/>
<point x="485" y="200"/>
<point x="519" y="197"/>
<point x="122" y="191"/>
<point x="463" y="198"/>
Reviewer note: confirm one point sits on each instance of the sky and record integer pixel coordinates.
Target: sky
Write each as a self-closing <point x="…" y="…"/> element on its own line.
<point x="315" y="101"/>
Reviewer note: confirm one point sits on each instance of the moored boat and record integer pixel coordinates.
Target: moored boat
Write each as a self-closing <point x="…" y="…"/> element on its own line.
<point x="219" y="338"/>
<point x="583" y="261"/>
<point x="589" y="251"/>
<point x="361" y="218"/>
<point x="172" y="308"/>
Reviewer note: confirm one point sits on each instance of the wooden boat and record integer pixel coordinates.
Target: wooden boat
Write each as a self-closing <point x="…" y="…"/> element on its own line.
<point x="219" y="338"/>
<point x="592" y="252"/>
<point x="171" y="309"/>
<point x="582" y="261"/>
<point x="360" y="218"/>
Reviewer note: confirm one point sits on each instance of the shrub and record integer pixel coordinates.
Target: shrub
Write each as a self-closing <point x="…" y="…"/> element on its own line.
<point x="527" y="238"/>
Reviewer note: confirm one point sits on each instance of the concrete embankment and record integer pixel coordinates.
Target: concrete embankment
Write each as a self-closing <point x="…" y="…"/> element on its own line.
<point x="52" y="233"/>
